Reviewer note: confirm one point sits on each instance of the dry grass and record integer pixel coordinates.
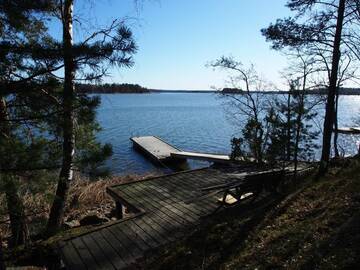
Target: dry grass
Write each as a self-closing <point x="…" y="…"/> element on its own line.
<point x="90" y="197"/>
<point x="85" y="197"/>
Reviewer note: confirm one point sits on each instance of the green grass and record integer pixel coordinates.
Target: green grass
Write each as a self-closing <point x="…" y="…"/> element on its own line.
<point x="315" y="225"/>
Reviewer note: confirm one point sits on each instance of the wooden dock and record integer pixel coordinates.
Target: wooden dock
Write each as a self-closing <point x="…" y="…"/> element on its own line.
<point x="164" y="208"/>
<point x="349" y="130"/>
<point x="154" y="148"/>
<point x="216" y="158"/>
<point x="160" y="151"/>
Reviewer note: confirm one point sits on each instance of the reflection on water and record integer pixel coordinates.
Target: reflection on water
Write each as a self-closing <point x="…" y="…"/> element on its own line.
<point x="194" y="122"/>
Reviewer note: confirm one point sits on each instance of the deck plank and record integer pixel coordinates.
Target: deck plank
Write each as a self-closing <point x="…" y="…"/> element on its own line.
<point x="96" y="252"/>
<point x="109" y="251"/>
<point x="153" y="230"/>
<point x="129" y="244"/>
<point x="71" y="257"/>
<point x="148" y="239"/>
<point x="85" y="254"/>
<point x="118" y="246"/>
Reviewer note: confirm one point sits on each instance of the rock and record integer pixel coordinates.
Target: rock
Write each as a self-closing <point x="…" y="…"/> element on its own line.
<point x="111" y="213"/>
<point x="72" y="223"/>
<point x="92" y="220"/>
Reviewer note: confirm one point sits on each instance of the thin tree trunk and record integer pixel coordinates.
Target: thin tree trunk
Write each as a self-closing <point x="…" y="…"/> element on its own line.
<point x="18" y="226"/>
<point x="66" y="173"/>
<point x="330" y="104"/>
<point x="336" y="134"/>
<point x="288" y="128"/>
<point x="301" y="109"/>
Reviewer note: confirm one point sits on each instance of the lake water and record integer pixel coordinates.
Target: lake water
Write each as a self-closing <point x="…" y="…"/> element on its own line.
<point x="189" y="121"/>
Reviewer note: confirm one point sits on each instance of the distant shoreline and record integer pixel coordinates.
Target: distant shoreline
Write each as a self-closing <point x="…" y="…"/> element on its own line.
<point x="157" y="91"/>
<point x="137" y="89"/>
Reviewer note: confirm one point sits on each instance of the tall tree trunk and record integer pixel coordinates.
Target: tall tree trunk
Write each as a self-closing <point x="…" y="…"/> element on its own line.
<point x="330" y="104"/>
<point x="301" y="111"/>
<point x="288" y="128"/>
<point x="66" y="173"/>
<point x="18" y="226"/>
<point x="336" y="133"/>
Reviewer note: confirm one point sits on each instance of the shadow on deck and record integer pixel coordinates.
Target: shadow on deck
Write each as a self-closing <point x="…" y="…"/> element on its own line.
<point x="163" y="208"/>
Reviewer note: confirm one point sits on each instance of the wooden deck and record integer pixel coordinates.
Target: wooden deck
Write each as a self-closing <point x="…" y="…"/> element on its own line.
<point x="165" y="208"/>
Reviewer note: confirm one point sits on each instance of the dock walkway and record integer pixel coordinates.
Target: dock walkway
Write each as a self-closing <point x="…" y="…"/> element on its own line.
<point x="349" y="130"/>
<point x="160" y="151"/>
<point x="165" y="208"/>
<point x="154" y="147"/>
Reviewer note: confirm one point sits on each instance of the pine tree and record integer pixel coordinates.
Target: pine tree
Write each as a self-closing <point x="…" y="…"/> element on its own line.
<point x="20" y="30"/>
<point x="107" y="47"/>
<point x="317" y="29"/>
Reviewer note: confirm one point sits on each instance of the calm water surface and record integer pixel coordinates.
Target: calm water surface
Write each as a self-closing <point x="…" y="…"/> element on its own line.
<point x="189" y="121"/>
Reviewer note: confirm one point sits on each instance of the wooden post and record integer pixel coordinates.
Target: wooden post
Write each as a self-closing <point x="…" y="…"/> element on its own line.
<point x="118" y="210"/>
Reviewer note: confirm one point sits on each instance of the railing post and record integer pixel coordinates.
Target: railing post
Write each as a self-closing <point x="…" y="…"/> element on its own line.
<point x="118" y="210"/>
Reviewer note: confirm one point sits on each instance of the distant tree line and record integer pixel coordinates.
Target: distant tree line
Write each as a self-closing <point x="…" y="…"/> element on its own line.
<point x="322" y="91"/>
<point x="111" y="88"/>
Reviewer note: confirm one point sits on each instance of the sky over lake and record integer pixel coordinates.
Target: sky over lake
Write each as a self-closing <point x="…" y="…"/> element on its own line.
<point x="176" y="38"/>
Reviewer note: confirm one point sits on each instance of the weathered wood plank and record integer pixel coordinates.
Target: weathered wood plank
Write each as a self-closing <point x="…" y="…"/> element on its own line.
<point x="118" y="246"/>
<point x="110" y="253"/>
<point x="85" y="254"/>
<point x="97" y="253"/>
<point x="181" y="191"/>
<point x="134" y="237"/>
<point x="129" y="244"/>
<point x="71" y="257"/>
<point x="148" y="239"/>
<point x="154" y="231"/>
<point x="146" y="202"/>
<point x="159" y="226"/>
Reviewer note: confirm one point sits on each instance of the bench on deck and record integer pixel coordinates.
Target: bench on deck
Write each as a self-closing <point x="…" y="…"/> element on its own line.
<point x="247" y="186"/>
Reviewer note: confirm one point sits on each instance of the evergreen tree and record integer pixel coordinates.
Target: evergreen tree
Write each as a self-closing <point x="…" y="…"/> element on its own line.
<point x="32" y="114"/>
<point x="20" y="31"/>
<point x="323" y="29"/>
<point x="104" y="48"/>
<point x="291" y="133"/>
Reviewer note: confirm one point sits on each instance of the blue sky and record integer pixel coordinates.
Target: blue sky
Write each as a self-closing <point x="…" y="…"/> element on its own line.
<point x="176" y="38"/>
